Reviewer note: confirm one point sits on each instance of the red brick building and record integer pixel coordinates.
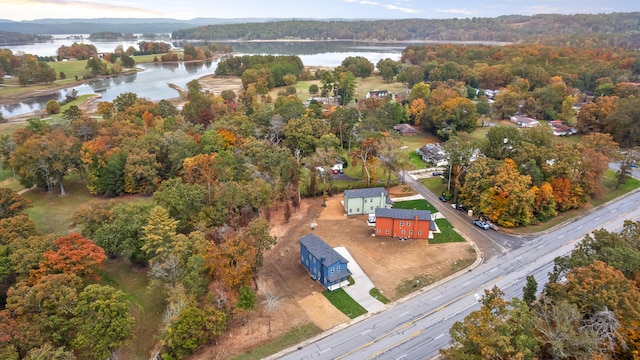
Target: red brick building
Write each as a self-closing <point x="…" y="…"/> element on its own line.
<point x="405" y="224"/>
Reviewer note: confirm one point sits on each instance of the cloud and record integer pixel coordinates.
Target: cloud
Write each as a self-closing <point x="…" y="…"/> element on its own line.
<point x="403" y="9"/>
<point x="455" y="11"/>
<point x="365" y="2"/>
<point x="92" y="6"/>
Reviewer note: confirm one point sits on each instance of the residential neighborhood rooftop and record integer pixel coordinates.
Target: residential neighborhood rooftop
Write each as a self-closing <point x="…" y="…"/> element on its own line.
<point x="364" y="193"/>
<point x="321" y="250"/>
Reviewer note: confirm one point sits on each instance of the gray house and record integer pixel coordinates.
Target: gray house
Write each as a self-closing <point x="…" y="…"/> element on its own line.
<point x="365" y="201"/>
<point x="323" y="263"/>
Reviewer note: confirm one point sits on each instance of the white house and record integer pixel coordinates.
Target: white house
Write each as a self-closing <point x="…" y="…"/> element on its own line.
<point x="365" y="201"/>
<point x="434" y="154"/>
<point x="524" y="122"/>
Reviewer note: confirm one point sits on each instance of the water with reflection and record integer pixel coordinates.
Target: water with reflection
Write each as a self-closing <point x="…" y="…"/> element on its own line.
<point x="152" y="82"/>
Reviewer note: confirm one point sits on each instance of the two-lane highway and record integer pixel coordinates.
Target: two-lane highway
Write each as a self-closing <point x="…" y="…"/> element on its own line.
<point x="416" y="328"/>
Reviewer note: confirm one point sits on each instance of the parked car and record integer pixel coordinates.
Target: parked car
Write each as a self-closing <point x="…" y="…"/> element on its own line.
<point x="436" y="173"/>
<point x="481" y="224"/>
<point x="442" y="198"/>
<point x="633" y="165"/>
<point x="460" y="207"/>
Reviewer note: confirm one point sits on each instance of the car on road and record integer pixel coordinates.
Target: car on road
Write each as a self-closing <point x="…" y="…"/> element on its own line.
<point x="633" y="165"/>
<point x="442" y="198"/>
<point x="481" y="224"/>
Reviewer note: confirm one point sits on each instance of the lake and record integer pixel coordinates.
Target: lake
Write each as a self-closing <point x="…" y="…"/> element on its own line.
<point x="153" y="79"/>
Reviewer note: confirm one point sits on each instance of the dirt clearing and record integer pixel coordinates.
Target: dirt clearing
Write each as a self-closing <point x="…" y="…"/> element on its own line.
<point x="386" y="261"/>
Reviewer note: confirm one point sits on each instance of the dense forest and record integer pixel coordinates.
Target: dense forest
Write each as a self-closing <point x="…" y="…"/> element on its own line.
<point x="617" y="29"/>
<point x="13" y="38"/>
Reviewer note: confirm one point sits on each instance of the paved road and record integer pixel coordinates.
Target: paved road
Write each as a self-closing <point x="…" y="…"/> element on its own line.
<point x="490" y="242"/>
<point x="417" y="327"/>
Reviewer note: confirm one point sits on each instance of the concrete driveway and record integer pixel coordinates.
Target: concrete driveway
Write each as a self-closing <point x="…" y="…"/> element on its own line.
<point x="360" y="290"/>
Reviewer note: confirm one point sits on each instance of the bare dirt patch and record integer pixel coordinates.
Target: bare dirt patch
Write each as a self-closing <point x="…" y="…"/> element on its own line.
<point x="218" y="84"/>
<point x="386" y="261"/>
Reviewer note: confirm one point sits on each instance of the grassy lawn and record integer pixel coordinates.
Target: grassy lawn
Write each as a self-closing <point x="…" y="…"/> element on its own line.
<point x="51" y="212"/>
<point x="375" y="82"/>
<point x="9" y="128"/>
<point x="290" y="338"/>
<point x="147" y="305"/>
<point x="434" y="184"/>
<point x="345" y="303"/>
<point x="408" y="286"/>
<point x="446" y="234"/>
<point x="375" y="292"/>
<point x="419" y="204"/>
<point x="71" y="69"/>
<point x="416" y="161"/>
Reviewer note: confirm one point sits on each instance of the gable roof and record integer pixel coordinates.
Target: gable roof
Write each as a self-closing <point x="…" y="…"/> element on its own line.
<point x="403" y="214"/>
<point x="405" y="128"/>
<point x="321" y="250"/>
<point x="378" y="93"/>
<point x="364" y="193"/>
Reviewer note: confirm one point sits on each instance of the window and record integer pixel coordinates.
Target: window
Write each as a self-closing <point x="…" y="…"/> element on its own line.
<point x="333" y="270"/>
<point x="387" y="232"/>
<point x="301" y="257"/>
<point x="410" y="232"/>
<point x="408" y="223"/>
<point x="403" y="231"/>
<point x="379" y="231"/>
<point x="350" y="211"/>
<point x="365" y="201"/>
<point x="338" y="268"/>
<point x="401" y="223"/>
<point x="419" y="232"/>
<point x="357" y="209"/>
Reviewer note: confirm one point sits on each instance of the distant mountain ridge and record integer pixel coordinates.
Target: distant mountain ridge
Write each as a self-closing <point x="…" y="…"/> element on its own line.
<point x="120" y="25"/>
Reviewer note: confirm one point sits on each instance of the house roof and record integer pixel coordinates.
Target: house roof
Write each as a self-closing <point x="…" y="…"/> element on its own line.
<point x="321" y="250"/>
<point x="523" y="119"/>
<point x="432" y="151"/>
<point x="364" y="193"/>
<point x="403" y="214"/>
<point x="378" y="92"/>
<point x="405" y="128"/>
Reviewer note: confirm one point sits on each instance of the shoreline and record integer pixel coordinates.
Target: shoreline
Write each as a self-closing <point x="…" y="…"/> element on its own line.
<point x="18" y="98"/>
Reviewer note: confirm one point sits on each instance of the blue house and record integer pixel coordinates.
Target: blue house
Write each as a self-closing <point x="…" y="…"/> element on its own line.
<point x="324" y="263"/>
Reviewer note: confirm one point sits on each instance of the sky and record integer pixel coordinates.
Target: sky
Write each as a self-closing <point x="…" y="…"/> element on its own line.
<point x="308" y="9"/>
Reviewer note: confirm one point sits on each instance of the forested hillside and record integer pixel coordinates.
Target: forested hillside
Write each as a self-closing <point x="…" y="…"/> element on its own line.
<point x="9" y="38"/>
<point x="617" y="29"/>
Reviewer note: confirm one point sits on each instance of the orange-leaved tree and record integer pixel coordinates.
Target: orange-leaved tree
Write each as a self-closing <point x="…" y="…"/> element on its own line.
<point x="72" y="254"/>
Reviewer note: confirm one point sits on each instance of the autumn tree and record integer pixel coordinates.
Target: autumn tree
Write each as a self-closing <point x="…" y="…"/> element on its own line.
<point x="391" y="157"/>
<point x="43" y="310"/>
<point x="365" y="155"/>
<point x="506" y="104"/>
<point x="501" y="329"/>
<point x="72" y="254"/>
<point x="141" y="172"/>
<point x="452" y="115"/>
<point x="192" y="328"/>
<point x="233" y="261"/>
<point x="45" y="159"/>
<point x="599" y="287"/>
<point x="388" y="69"/>
<point x="11" y="203"/>
<point x="102" y="321"/>
<point x="159" y="235"/>
<point x="509" y="200"/>
<point x="183" y="201"/>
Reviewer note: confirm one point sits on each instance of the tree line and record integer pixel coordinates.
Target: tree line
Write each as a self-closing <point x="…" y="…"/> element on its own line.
<point x="589" y="309"/>
<point x="599" y="30"/>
